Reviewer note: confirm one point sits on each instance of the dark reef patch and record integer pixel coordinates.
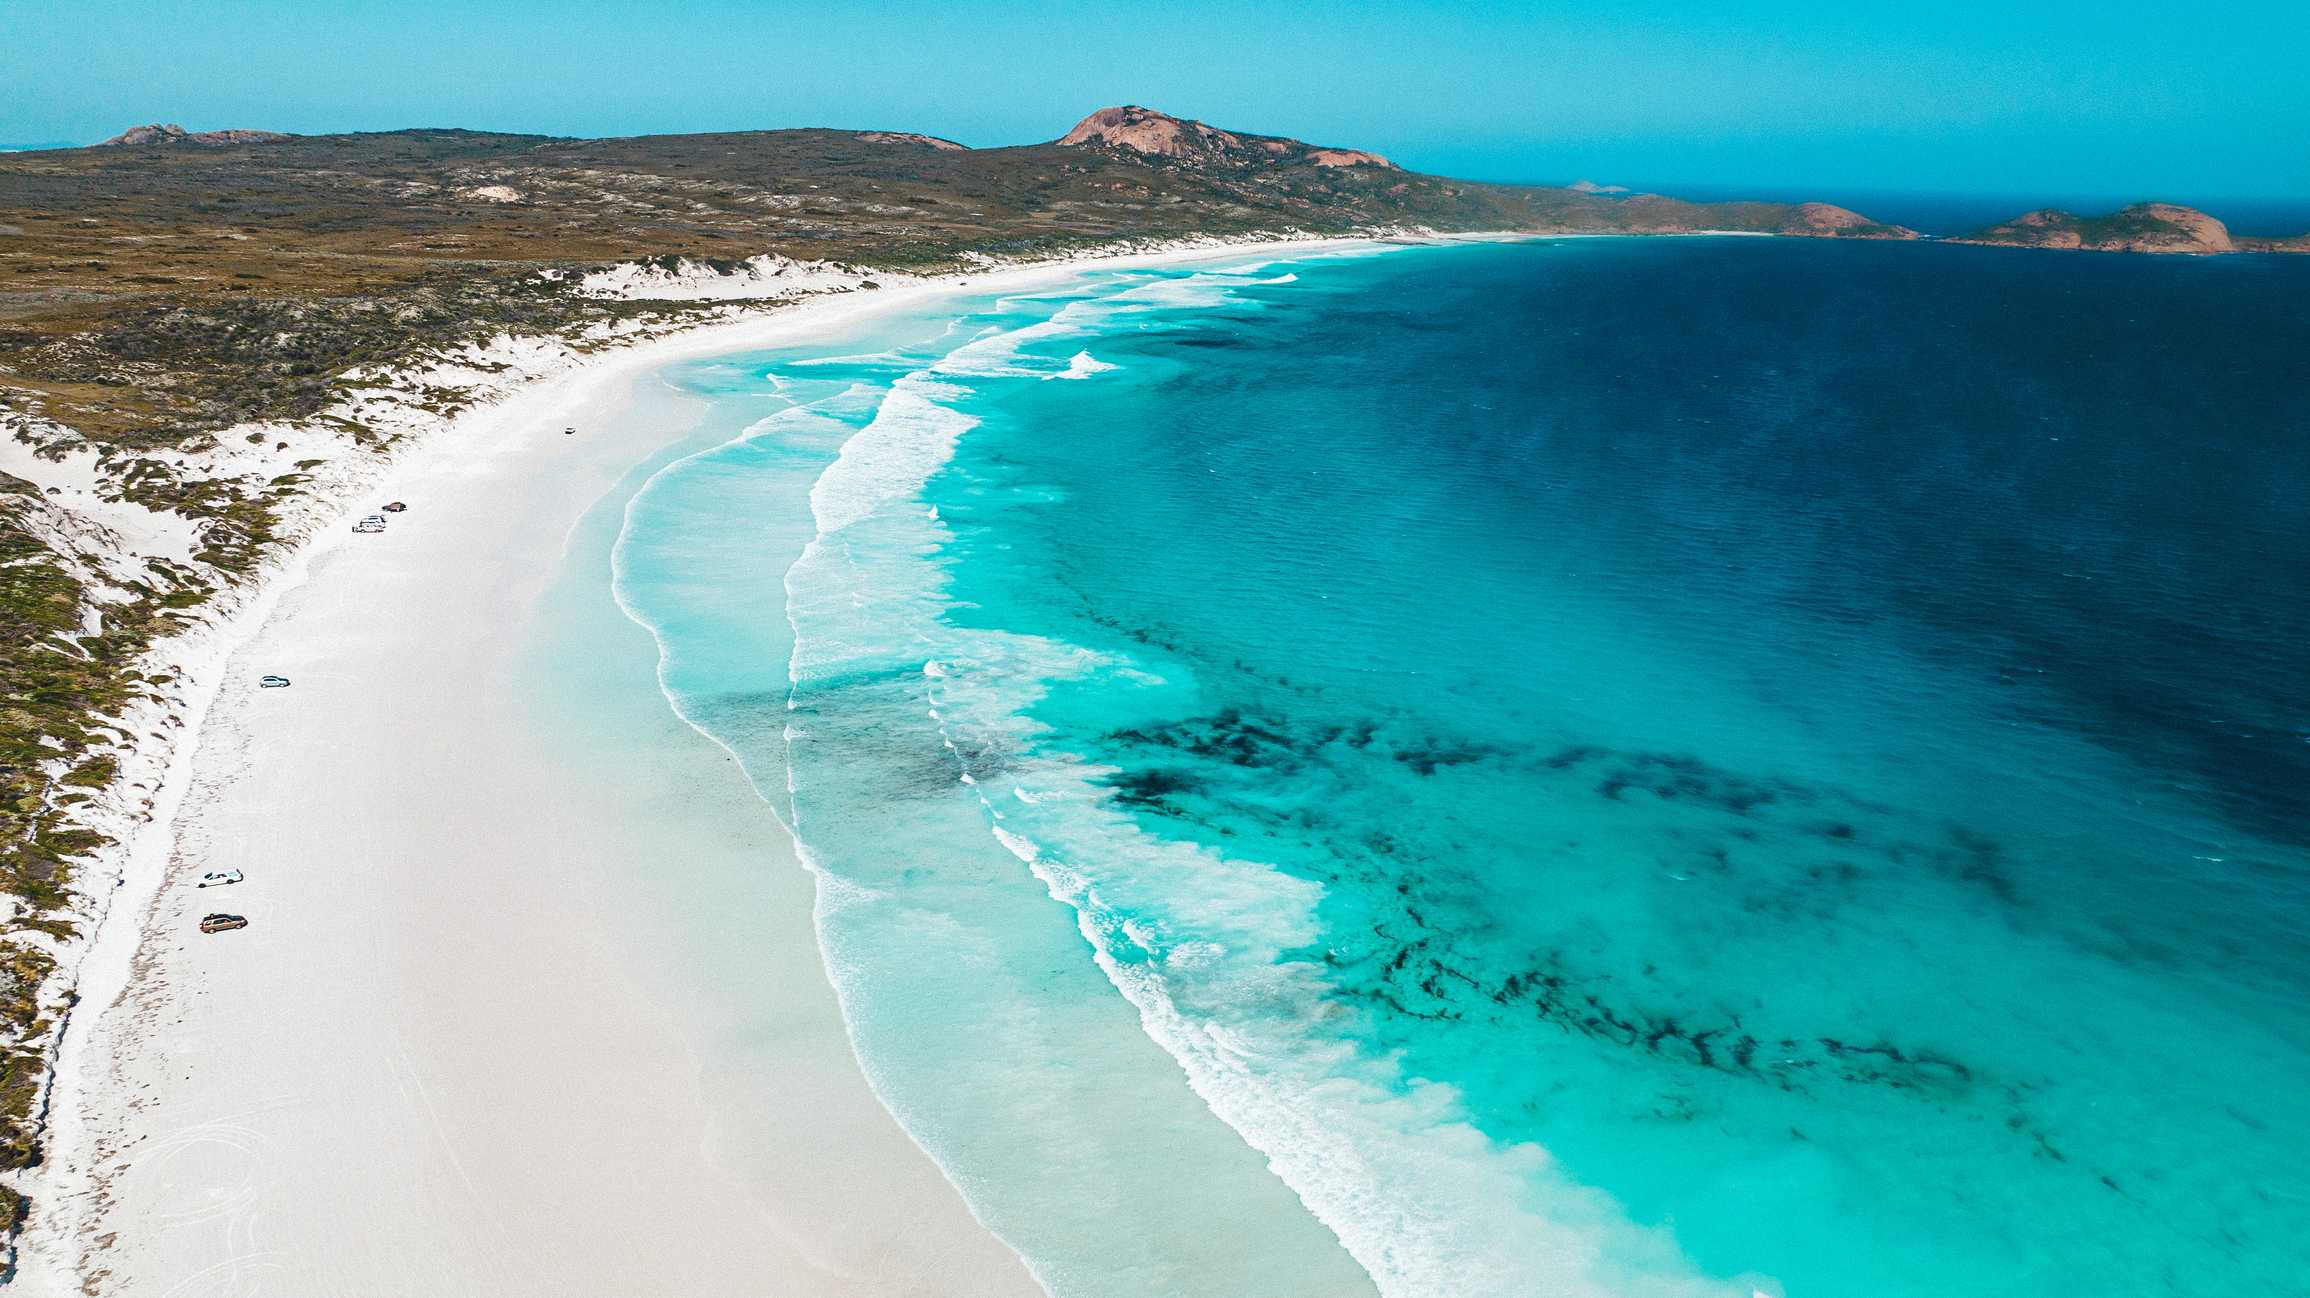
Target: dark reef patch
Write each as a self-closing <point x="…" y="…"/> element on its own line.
<point x="1426" y="948"/>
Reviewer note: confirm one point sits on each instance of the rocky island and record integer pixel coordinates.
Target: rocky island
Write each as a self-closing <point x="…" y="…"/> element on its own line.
<point x="2143" y="227"/>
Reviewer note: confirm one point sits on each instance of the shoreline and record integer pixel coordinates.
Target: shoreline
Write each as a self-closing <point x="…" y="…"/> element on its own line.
<point x="72" y="1199"/>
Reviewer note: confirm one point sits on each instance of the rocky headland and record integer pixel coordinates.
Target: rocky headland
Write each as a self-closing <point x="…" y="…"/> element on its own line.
<point x="2143" y="227"/>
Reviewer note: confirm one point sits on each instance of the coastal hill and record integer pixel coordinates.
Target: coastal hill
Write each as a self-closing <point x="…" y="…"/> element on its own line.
<point x="2143" y="227"/>
<point x="440" y="234"/>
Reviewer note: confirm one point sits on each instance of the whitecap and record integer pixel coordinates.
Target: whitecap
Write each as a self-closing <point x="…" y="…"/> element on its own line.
<point x="1083" y="366"/>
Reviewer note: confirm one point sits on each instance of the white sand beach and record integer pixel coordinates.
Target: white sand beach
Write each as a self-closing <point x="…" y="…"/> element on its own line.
<point x="454" y="1052"/>
<point x="430" y="1064"/>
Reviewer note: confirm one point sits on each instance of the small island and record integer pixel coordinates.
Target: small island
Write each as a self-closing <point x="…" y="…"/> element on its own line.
<point x="2143" y="227"/>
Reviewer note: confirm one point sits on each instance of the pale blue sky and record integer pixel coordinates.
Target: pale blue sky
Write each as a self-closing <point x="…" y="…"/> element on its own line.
<point x="2058" y="95"/>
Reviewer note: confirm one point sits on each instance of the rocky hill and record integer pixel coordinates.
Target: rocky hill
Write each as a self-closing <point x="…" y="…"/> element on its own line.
<point x="157" y="133"/>
<point x="2143" y="227"/>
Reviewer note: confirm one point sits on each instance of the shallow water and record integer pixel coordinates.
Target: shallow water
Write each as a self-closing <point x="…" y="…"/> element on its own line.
<point x="1617" y="766"/>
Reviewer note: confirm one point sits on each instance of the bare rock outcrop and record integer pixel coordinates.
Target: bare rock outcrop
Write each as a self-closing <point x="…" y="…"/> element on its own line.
<point x="909" y="137"/>
<point x="1148" y="131"/>
<point x="2143" y="227"/>
<point x="2298" y="244"/>
<point x="171" y="133"/>
<point x="1143" y="130"/>
<point x="1822" y="221"/>
<point x="1349" y="158"/>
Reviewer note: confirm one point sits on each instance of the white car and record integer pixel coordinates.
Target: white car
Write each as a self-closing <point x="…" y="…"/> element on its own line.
<point x="373" y="523"/>
<point x="273" y="682"/>
<point x="219" y="878"/>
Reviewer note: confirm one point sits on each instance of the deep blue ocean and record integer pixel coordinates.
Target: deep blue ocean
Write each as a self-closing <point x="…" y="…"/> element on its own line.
<point x="1617" y="766"/>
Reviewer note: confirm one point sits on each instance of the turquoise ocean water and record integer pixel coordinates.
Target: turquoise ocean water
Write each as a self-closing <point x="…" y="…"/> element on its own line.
<point x="1618" y="767"/>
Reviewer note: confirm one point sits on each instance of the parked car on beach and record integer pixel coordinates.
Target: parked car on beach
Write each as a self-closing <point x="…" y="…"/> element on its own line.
<point x="220" y="922"/>
<point x="273" y="682"/>
<point x="373" y="523"/>
<point x="395" y="508"/>
<point x="219" y="878"/>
